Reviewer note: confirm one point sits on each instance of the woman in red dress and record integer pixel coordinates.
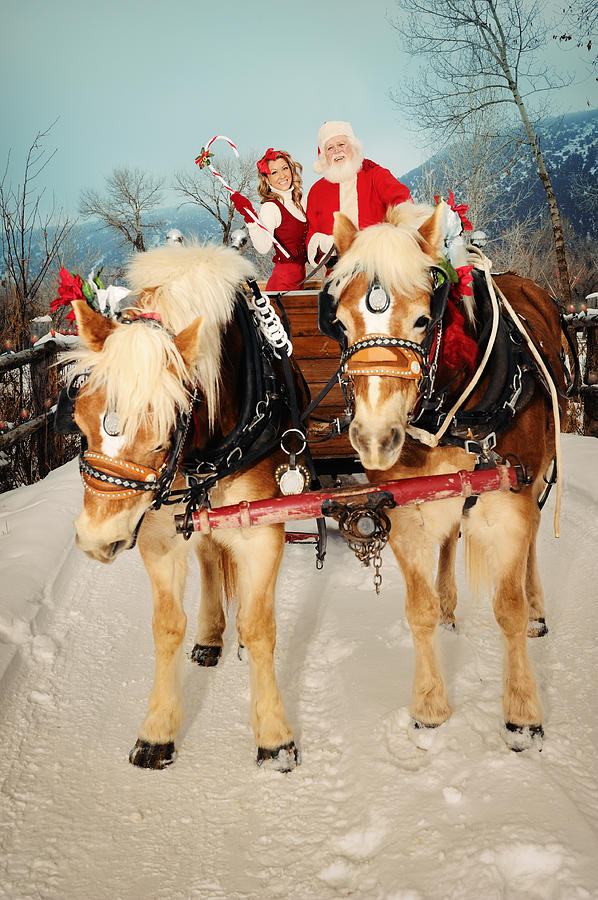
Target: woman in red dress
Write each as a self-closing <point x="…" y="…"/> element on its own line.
<point x="282" y="215"/>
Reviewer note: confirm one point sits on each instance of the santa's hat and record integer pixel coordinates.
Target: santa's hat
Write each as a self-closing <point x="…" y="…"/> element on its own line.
<point x="330" y="130"/>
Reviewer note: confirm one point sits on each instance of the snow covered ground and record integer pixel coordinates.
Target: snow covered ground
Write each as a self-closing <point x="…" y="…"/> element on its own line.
<point x="367" y="814"/>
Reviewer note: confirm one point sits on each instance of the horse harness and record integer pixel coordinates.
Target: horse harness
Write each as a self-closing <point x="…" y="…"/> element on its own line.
<point x="266" y="403"/>
<point x="475" y="429"/>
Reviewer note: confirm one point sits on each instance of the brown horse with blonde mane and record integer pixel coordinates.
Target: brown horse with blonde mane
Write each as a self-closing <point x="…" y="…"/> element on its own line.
<point x="383" y="292"/>
<point x="179" y="338"/>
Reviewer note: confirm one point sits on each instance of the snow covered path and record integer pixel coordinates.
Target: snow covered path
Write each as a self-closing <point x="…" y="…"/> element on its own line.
<point x="367" y="814"/>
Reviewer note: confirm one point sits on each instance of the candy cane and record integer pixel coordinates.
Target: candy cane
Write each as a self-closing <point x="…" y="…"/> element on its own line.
<point x="204" y="159"/>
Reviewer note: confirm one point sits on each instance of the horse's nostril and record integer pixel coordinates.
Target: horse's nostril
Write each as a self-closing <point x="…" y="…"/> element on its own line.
<point x="116" y="547"/>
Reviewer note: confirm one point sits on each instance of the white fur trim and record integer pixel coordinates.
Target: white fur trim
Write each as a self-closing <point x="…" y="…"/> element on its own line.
<point x="330" y="130"/>
<point x="348" y="200"/>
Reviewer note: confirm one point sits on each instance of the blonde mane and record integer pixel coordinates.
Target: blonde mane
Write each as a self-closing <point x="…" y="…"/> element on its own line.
<point x="391" y="251"/>
<point x="139" y="366"/>
<point x="144" y="377"/>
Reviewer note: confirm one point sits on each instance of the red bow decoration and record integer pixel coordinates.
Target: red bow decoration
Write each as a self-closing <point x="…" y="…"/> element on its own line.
<point x="69" y="289"/>
<point x="204" y="158"/>
<point x="462" y="288"/>
<point x="460" y="210"/>
<point x="262" y="164"/>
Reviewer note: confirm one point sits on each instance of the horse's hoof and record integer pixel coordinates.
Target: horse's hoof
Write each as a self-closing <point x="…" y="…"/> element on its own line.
<point x="242" y="653"/>
<point x="282" y="759"/>
<point x="152" y="756"/>
<point x="523" y="737"/>
<point x="206" y="654"/>
<point x="537" y="628"/>
<point x="448" y="626"/>
<point x="421" y="734"/>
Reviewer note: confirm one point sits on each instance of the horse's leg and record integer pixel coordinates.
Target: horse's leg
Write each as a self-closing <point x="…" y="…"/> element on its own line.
<point x="210" y="621"/>
<point x="258" y="557"/>
<point x="165" y="559"/>
<point x="533" y="586"/>
<point x="446" y="585"/>
<point x="503" y="527"/>
<point x="415" y="554"/>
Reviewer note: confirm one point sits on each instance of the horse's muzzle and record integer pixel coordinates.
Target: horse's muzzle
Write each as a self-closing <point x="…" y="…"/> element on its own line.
<point x="107" y="539"/>
<point x="377" y="451"/>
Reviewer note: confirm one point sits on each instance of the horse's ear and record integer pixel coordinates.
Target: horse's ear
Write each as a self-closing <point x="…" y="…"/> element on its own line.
<point x="187" y="342"/>
<point x="93" y="328"/>
<point x="432" y="231"/>
<point x="344" y="232"/>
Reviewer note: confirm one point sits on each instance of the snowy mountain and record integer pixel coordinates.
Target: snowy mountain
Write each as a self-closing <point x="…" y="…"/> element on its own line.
<point x="91" y="246"/>
<point x="570" y="148"/>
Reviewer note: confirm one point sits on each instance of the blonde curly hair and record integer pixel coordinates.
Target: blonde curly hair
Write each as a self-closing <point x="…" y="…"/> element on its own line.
<point x="267" y="193"/>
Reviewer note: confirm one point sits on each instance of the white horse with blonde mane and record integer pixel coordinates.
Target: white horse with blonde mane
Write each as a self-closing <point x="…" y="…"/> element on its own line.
<point x="179" y="336"/>
<point x="381" y="293"/>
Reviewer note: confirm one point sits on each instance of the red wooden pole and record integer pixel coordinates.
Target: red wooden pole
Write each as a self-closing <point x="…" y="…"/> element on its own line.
<point x="406" y="492"/>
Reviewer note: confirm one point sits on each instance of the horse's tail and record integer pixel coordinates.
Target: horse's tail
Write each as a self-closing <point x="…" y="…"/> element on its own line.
<point x="476" y="565"/>
<point x="228" y="574"/>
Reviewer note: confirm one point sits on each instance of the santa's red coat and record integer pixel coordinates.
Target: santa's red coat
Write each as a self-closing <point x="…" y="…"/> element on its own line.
<point x="377" y="189"/>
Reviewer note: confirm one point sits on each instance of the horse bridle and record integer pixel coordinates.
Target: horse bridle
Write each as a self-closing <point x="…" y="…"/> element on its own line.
<point x="381" y="353"/>
<point x="111" y="478"/>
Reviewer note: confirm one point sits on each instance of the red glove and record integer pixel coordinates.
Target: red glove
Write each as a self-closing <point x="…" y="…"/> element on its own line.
<point x="242" y="204"/>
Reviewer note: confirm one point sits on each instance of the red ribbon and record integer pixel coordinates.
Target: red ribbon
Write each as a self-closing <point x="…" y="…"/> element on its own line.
<point x="262" y="164"/>
<point x="461" y="209"/>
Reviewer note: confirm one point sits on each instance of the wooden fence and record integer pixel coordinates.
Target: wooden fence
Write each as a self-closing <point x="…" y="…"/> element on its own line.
<point x="29" y="384"/>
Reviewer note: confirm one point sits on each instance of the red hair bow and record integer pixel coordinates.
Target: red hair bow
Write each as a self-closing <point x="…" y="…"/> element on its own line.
<point x="262" y="164"/>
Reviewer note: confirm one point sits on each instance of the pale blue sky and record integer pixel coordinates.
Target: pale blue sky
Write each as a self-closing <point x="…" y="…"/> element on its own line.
<point x="146" y="83"/>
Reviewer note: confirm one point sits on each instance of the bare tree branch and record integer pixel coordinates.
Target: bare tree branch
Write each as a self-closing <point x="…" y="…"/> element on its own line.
<point x="200" y="187"/>
<point x="31" y="241"/>
<point x="580" y="24"/>
<point x="480" y="54"/>
<point x="130" y="195"/>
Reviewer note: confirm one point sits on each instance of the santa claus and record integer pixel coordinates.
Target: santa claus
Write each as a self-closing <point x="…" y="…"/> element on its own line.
<point x="358" y="187"/>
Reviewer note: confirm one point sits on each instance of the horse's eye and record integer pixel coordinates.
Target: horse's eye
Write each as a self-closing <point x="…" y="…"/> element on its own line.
<point x="422" y="322"/>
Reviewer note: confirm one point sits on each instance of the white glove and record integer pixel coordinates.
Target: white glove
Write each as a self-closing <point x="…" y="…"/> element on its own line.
<point x="319" y="242"/>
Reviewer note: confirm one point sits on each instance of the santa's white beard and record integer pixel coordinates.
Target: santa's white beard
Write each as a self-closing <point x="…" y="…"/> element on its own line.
<point x="337" y="172"/>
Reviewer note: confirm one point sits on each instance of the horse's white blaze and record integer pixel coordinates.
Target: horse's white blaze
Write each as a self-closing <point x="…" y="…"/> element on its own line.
<point x="374" y="391"/>
<point x="375" y="322"/>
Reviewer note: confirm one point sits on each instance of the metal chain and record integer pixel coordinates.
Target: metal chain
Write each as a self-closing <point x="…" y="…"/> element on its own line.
<point x="377" y="564"/>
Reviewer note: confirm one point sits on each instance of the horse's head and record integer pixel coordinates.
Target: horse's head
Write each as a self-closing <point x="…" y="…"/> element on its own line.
<point x="384" y="287"/>
<point x="136" y="391"/>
